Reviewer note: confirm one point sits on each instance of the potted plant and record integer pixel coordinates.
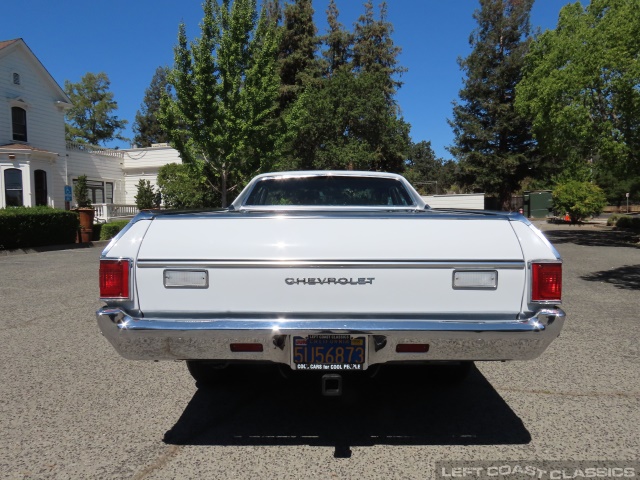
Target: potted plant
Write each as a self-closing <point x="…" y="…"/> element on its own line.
<point x="84" y="209"/>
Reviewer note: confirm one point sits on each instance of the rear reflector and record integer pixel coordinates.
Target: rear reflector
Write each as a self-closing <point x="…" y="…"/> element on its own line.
<point x="546" y="282"/>
<point x="412" y="348"/>
<point x="246" y="347"/>
<point x="472" y="279"/>
<point x="114" y="279"/>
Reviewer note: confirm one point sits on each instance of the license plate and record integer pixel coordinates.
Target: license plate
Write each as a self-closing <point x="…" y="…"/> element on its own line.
<point x="329" y="352"/>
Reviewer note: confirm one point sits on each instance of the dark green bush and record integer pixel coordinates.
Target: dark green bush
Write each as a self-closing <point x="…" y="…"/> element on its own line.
<point x="613" y="219"/>
<point x="110" y="230"/>
<point x="23" y="227"/>
<point x="629" y="222"/>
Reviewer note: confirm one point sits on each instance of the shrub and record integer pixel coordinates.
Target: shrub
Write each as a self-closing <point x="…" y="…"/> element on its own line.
<point x="626" y="221"/>
<point x="579" y="199"/>
<point x="146" y="196"/>
<point x="110" y="230"/>
<point x="23" y="227"/>
<point x="183" y="187"/>
<point x="613" y="219"/>
<point x="81" y="192"/>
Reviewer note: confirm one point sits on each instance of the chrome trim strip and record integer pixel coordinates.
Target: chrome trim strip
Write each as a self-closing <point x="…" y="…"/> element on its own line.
<point x="354" y="264"/>
<point x="538" y="321"/>
<point x="208" y="337"/>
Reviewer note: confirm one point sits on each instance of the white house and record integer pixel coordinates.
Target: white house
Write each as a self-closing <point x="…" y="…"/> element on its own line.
<point x="36" y="163"/>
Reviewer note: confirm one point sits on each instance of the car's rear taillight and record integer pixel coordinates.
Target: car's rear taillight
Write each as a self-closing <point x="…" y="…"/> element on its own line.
<point x="546" y="282"/>
<point x="114" y="279"/>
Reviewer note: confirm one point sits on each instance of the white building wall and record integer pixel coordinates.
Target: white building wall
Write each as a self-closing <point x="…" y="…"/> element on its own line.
<point x="143" y="164"/>
<point x="105" y="166"/>
<point x="474" y="201"/>
<point x="43" y="102"/>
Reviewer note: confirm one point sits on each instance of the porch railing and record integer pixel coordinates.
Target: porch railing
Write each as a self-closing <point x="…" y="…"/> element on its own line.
<point x="109" y="211"/>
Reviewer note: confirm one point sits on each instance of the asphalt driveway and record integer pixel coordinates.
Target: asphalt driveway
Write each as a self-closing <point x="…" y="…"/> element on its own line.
<point x="70" y="407"/>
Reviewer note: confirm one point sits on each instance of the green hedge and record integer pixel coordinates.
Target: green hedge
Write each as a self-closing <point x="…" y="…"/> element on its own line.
<point x="629" y="222"/>
<point x="24" y="227"/>
<point x="110" y="230"/>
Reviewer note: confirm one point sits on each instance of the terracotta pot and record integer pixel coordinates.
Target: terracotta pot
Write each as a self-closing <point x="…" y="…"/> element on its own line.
<point x="86" y="223"/>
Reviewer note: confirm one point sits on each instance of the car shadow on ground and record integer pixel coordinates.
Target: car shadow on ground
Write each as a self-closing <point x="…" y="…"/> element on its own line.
<point x="592" y="237"/>
<point x="627" y="277"/>
<point x="400" y="406"/>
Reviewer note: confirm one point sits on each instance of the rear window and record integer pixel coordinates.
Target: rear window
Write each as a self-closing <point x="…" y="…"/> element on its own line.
<point x="329" y="191"/>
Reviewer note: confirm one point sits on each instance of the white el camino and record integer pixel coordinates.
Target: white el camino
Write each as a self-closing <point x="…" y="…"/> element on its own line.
<point x="330" y="271"/>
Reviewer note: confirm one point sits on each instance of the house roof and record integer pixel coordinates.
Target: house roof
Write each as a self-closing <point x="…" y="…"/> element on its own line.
<point x="6" y="43"/>
<point x="12" y="147"/>
<point x="7" y="46"/>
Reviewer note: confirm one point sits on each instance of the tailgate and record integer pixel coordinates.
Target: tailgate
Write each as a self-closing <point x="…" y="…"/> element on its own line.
<point x="332" y="266"/>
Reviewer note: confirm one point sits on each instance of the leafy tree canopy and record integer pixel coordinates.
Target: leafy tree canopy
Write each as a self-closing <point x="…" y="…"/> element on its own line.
<point x="580" y="85"/>
<point x="147" y="127"/>
<point x="348" y="118"/>
<point x="428" y="173"/>
<point x="92" y="119"/>
<point x="226" y="91"/>
<point x="183" y="186"/>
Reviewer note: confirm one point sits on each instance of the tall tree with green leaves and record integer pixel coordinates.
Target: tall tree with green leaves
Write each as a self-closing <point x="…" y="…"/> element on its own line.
<point x="339" y="43"/>
<point x="92" y="118"/>
<point x="493" y="143"/>
<point x="226" y="85"/>
<point x="374" y="51"/>
<point x="147" y="127"/>
<point x="350" y="119"/>
<point x="426" y="172"/>
<point x="297" y="51"/>
<point x="580" y="87"/>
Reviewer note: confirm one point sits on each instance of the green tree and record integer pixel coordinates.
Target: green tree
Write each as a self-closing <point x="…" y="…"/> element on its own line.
<point x="92" y="119"/>
<point x="147" y="127"/>
<point x="374" y="51"/>
<point x="350" y="119"/>
<point x="184" y="186"/>
<point x="579" y="199"/>
<point x="226" y="92"/>
<point x="146" y="196"/>
<point x="81" y="192"/>
<point x="297" y="48"/>
<point x="493" y="144"/>
<point x="580" y="86"/>
<point x="428" y="173"/>
<point x="339" y="43"/>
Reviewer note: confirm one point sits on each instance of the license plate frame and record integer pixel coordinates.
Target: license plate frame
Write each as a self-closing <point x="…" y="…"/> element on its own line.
<point x="329" y="352"/>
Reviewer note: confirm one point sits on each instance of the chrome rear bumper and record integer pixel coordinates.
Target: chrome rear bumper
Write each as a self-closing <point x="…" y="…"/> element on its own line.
<point x="460" y="338"/>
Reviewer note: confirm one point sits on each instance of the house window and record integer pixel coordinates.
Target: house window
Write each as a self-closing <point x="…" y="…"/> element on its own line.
<point x="96" y="191"/>
<point x="16" y="78"/>
<point x="40" y="180"/>
<point x="109" y="191"/>
<point x="13" y="187"/>
<point x="19" y="122"/>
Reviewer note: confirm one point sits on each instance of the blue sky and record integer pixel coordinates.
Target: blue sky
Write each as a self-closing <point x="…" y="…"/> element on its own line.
<point x="129" y="39"/>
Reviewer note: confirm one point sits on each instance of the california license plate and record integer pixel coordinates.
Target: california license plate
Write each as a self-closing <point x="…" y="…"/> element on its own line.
<point x="329" y="352"/>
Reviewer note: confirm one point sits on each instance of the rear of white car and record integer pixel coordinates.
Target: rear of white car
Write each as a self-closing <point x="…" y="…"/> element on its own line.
<point x="331" y="289"/>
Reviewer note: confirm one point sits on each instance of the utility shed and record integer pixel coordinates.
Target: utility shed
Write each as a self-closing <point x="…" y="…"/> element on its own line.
<point x="470" y="201"/>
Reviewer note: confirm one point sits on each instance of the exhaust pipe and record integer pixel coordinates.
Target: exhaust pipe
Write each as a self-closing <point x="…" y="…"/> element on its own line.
<point x="332" y="385"/>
